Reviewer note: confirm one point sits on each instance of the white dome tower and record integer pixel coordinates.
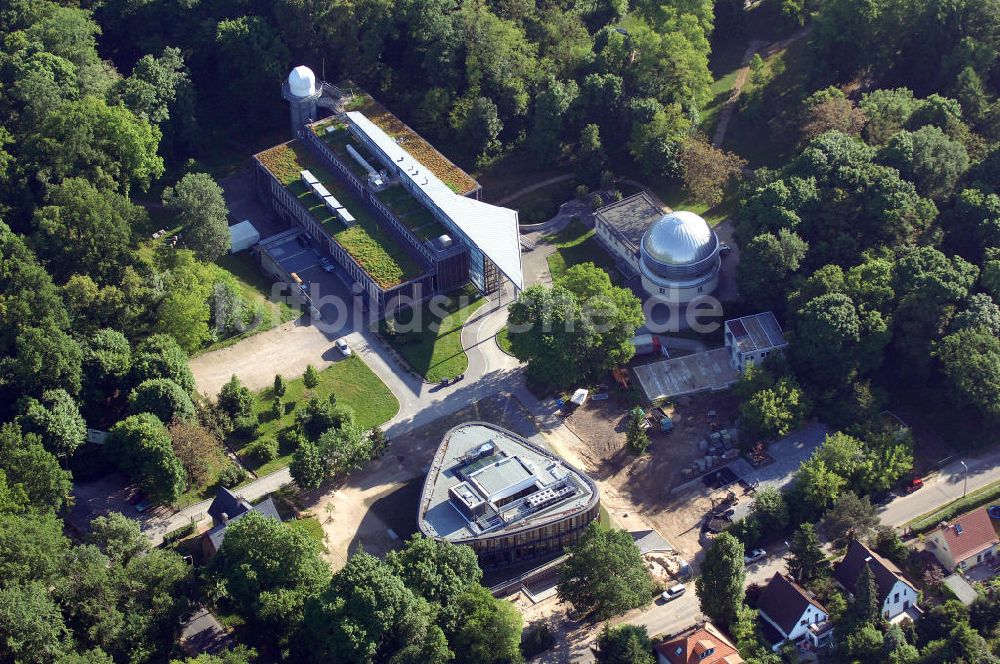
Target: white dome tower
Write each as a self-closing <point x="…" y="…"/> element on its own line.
<point x="679" y="257"/>
<point x="302" y="91"/>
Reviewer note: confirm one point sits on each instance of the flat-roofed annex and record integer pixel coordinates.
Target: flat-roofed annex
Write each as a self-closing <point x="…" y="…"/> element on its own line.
<point x="485" y="481"/>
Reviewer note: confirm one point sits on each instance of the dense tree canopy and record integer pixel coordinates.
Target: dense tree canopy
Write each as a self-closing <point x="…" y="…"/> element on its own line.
<point x="605" y="574"/>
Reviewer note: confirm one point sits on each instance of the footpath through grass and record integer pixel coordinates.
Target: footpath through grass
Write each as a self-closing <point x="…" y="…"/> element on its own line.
<point x="576" y="244"/>
<point x="353" y="383"/>
<point x="430" y="338"/>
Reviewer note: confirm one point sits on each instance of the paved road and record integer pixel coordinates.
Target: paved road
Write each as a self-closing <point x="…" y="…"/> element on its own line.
<point x="662" y="618"/>
<point x="943" y="487"/>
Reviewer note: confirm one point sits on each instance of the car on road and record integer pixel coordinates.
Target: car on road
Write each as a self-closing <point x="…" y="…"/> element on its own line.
<point x="754" y="556"/>
<point x="326" y="264"/>
<point x="914" y="484"/>
<point x="342" y="346"/>
<point x="673" y="592"/>
<point x="725" y="249"/>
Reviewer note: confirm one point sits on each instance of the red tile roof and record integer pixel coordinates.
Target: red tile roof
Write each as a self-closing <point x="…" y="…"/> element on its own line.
<point x="690" y="646"/>
<point x="969" y="534"/>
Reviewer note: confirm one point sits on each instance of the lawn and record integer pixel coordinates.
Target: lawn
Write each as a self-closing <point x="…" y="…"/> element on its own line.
<point x="374" y="247"/>
<point x="761" y="137"/>
<point x="576" y="244"/>
<point x="539" y="206"/>
<point x="196" y="494"/>
<point x="350" y="379"/>
<point x="255" y="287"/>
<point x="434" y="348"/>
<point x="503" y="340"/>
<point x="676" y="198"/>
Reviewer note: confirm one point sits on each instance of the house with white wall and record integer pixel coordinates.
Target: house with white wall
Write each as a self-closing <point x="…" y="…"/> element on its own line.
<point x="897" y="595"/>
<point x="790" y="613"/>
<point x="964" y="542"/>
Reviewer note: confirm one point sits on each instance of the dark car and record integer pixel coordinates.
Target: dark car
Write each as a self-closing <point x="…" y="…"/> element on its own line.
<point x="725" y="250"/>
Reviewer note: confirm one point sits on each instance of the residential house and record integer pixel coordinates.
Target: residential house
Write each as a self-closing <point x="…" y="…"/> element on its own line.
<point x="897" y="596"/>
<point x="698" y="644"/>
<point x="965" y="542"/>
<point x="790" y="613"/>
<point x="226" y="508"/>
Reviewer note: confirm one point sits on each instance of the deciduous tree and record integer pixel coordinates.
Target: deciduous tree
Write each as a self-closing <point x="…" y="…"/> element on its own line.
<point x="604" y="574"/>
<point x="708" y="170"/>
<point x="56" y="420"/>
<point x="624" y="644"/>
<point x="161" y="397"/>
<point x="200" y="208"/>
<point x="140" y="445"/>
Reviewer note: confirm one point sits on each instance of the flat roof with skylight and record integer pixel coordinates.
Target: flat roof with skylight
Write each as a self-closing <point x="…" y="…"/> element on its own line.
<point x="487" y="481"/>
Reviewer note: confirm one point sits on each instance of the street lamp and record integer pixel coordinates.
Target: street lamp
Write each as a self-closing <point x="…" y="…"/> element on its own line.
<point x="965" y="488"/>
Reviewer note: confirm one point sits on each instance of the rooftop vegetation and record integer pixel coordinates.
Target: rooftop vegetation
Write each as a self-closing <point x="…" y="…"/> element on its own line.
<point x="373" y="247"/>
<point x="458" y="180"/>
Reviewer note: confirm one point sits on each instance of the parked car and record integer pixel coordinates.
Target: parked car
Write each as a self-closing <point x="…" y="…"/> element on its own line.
<point x="673" y="592"/>
<point x="914" y="484"/>
<point x="754" y="556"/>
<point x="725" y="249"/>
<point x="326" y="264"/>
<point x="342" y="346"/>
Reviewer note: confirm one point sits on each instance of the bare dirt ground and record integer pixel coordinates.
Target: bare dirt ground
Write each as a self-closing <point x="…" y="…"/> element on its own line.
<point x="377" y="507"/>
<point x="642" y="486"/>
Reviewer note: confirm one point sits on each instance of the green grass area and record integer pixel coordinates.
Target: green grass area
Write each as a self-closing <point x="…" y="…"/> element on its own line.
<point x="978" y="498"/>
<point x="311" y="527"/>
<point x="374" y="247"/>
<point x="350" y="379"/>
<point x="196" y="494"/>
<point x="720" y="88"/>
<point x="503" y="340"/>
<point x="758" y="131"/>
<point x="411" y="213"/>
<point x="434" y="347"/>
<point x="255" y="287"/>
<point x="576" y="244"/>
<point x="673" y="194"/>
<point x="542" y="204"/>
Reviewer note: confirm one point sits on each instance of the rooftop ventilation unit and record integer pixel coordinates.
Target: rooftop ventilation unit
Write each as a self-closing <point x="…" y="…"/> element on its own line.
<point x="361" y="161"/>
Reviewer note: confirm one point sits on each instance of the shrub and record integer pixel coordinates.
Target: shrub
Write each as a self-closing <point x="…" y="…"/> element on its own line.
<point x="231" y="476"/>
<point x="277" y="409"/>
<point x="537" y="640"/>
<point x="235" y="399"/>
<point x="290" y="439"/>
<point x="262" y="450"/>
<point x="161" y="397"/>
<point x="245" y="427"/>
<point x="311" y="377"/>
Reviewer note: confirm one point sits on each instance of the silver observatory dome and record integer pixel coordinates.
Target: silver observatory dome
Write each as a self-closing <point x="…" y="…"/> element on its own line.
<point x="680" y="245"/>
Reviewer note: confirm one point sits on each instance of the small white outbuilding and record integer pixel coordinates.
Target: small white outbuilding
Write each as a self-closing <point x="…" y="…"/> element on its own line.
<point x="242" y="236"/>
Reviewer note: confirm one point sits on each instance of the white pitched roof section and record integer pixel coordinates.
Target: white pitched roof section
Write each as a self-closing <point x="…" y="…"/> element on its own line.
<point x="491" y="228"/>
